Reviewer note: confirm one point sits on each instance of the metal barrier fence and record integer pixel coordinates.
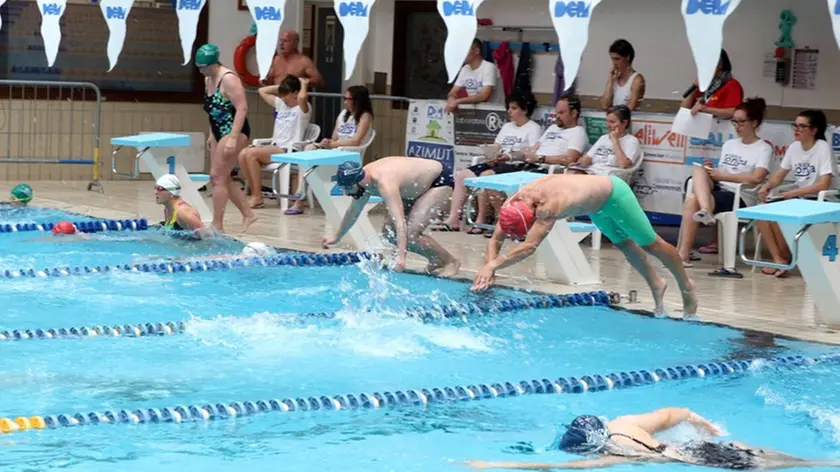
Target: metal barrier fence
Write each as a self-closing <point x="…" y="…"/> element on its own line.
<point x="389" y="122"/>
<point x="52" y="124"/>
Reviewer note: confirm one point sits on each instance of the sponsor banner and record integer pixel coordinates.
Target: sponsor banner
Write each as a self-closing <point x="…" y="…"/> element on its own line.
<point x="660" y="182"/>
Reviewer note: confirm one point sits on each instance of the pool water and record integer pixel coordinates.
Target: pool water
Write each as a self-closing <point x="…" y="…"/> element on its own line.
<point x="247" y="338"/>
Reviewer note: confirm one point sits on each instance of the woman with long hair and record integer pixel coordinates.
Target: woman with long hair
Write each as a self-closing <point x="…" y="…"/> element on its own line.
<point x="351" y="128"/>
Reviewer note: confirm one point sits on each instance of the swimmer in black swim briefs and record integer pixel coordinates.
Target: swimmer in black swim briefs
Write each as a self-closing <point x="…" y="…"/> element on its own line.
<point x="629" y="439"/>
<point x="415" y="191"/>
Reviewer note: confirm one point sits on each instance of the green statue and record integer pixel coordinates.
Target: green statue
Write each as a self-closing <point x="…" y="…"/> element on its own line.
<point x="786" y="22"/>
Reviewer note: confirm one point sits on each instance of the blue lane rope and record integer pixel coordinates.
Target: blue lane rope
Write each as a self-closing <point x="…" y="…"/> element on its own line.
<point x="425" y="313"/>
<point x="81" y="226"/>
<point x="409" y="397"/>
<point x="213" y="265"/>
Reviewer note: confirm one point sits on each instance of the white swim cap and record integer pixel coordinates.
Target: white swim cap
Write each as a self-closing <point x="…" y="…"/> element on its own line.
<point x="257" y="250"/>
<point x="170" y="183"/>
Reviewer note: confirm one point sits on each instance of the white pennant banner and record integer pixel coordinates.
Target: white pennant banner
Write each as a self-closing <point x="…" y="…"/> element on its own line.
<point x="268" y="16"/>
<point x="461" y="26"/>
<point x="1" y="18"/>
<point x="571" y="22"/>
<point x="833" y="12"/>
<point x="51" y="12"/>
<point x="115" y="13"/>
<point x="188" y="13"/>
<point x="355" y="19"/>
<point x="704" y="21"/>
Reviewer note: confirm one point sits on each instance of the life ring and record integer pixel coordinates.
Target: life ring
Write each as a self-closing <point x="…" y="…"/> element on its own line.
<point x="240" y="61"/>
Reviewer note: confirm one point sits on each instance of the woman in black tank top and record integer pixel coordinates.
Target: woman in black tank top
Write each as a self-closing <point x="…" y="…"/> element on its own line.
<point x="227" y="111"/>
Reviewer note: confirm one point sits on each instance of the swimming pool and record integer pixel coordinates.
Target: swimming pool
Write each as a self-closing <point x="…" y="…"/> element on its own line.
<point x="247" y="336"/>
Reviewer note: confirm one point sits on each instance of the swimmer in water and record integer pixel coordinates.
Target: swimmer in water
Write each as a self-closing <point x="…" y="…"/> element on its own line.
<point x="19" y="197"/>
<point x="629" y="439"/>
<point x="178" y="214"/>
<point x="255" y="249"/>
<point x="609" y="202"/>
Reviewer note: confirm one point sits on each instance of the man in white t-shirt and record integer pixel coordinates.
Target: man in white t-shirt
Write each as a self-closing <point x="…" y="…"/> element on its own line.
<point x="291" y="117"/>
<point x="564" y="142"/>
<point x="479" y="78"/>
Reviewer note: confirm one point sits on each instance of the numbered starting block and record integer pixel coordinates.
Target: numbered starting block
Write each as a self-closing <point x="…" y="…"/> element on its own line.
<point x="810" y="229"/>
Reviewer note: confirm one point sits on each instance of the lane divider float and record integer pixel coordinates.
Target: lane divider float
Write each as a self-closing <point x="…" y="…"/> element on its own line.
<point x="408" y="397"/>
<point x="213" y="265"/>
<point x="425" y="313"/>
<point x="82" y="226"/>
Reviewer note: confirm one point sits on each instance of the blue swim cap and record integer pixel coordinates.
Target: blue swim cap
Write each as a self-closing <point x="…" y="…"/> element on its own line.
<point x="349" y="173"/>
<point x="582" y="435"/>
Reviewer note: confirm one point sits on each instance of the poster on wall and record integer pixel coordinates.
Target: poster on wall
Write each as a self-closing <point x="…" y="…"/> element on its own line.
<point x="430" y="133"/>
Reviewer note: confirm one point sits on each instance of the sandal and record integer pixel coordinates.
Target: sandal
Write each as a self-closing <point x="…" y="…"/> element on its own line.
<point x="445" y="228"/>
<point x="768" y="271"/>
<point x="293" y="211"/>
<point x="728" y="273"/>
<point x="475" y="230"/>
<point x="709" y="249"/>
<point x="781" y="274"/>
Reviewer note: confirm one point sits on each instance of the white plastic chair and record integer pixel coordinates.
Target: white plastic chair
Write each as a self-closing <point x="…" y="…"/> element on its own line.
<point x="625" y="174"/>
<point x="309" y="136"/>
<point x="727" y="228"/>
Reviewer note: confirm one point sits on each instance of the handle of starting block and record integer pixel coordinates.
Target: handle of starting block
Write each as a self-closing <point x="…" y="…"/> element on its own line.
<point x="794" y="250"/>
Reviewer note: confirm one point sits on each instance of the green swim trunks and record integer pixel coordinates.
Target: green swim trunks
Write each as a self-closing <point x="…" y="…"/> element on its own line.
<point x="622" y="218"/>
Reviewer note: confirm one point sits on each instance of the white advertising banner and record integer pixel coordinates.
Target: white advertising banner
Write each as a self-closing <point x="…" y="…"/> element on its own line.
<point x="704" y="21"/>
<point x="115" y="13"/>
<point x="188" y="12"/>
<point x="660" y="182"/>
<point x="355" y="19"/>
<point x="51" y="12"/>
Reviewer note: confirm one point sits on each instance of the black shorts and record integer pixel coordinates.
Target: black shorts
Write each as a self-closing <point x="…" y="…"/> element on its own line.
<point x="478" y="169"/>
<point x="445" y="179"/>
<point x="724" y="199"/>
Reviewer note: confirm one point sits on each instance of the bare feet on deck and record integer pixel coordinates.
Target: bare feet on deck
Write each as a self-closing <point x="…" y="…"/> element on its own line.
<point x="247" y="222"/>
<point x="689" y="296"/>
<point x="658" y="291"/>
<point x="444" y="270"/>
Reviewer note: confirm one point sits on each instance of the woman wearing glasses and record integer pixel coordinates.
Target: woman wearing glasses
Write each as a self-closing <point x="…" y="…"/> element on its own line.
<point x="811" y="160"/>
<point x="744" y="160"/>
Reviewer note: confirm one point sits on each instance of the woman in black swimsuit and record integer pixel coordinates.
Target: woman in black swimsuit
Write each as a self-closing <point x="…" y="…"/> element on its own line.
<point x="227" y="109"/>
<point x="628" y="439"/>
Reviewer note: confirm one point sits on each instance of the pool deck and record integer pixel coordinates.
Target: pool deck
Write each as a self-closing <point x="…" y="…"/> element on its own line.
<point x="756" y="302"/>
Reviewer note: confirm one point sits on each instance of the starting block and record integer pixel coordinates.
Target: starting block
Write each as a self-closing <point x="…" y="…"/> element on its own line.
<point x="810" y="229"/>
<point x="157" y="151"/>
<point x="560" y="252"/>
<point x="319" y="167"/>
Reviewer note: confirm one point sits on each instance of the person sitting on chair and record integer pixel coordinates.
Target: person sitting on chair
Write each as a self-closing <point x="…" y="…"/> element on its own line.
<point x="291" y="116"/>
<point x="415" y="191"/>
<point x="618" y="149"/>
<point x="629" y="439"/>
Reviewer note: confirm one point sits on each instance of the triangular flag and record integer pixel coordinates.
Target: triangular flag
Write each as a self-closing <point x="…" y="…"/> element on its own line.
<point x="833" y="12"/>
<point x="571" y="22"/>
<point x="268" y="16"/>
<point x="704" y="21"/>
<point x="461" y="26"/>
<point x="188" y="13"/>
<point x="115" y="13"/>
<point x="355" y="19"/>
<point x="1" y="17"/>
<point x="51" y="12"/>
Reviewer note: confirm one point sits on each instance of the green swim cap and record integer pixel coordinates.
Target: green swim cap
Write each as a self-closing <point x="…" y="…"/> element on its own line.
<point x="207" y="55"/>
<point x="22" y="193"/>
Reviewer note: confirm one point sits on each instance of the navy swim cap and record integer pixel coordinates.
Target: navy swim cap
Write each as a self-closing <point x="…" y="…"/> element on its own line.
<point x="349" y="173"/>
<point x="578" y="437"/>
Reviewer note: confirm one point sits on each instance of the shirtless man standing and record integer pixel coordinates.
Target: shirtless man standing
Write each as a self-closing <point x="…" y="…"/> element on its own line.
<point x="613" y="208"/>
<point x="291" y="61"/>
<point x="415" y="190"/>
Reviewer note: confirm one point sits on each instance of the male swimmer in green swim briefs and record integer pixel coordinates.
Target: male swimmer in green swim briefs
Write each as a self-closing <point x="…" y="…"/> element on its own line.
<point x="611" y="205"/>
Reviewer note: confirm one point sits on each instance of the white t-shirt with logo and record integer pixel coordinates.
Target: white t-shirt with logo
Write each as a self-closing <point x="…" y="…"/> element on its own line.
<point x="603" y="154"/>
<point x="346" y="129"/>
<point x="808" y="166"/>
<point x="739" y="158"/>
<point x="289" y="124"/>
<point x="557" y="141"/>
<point x="514" y="138"/>
<point x="487" y="75"/>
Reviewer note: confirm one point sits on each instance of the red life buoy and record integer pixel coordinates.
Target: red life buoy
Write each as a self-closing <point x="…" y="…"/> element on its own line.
<point x="240" y="61"/>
